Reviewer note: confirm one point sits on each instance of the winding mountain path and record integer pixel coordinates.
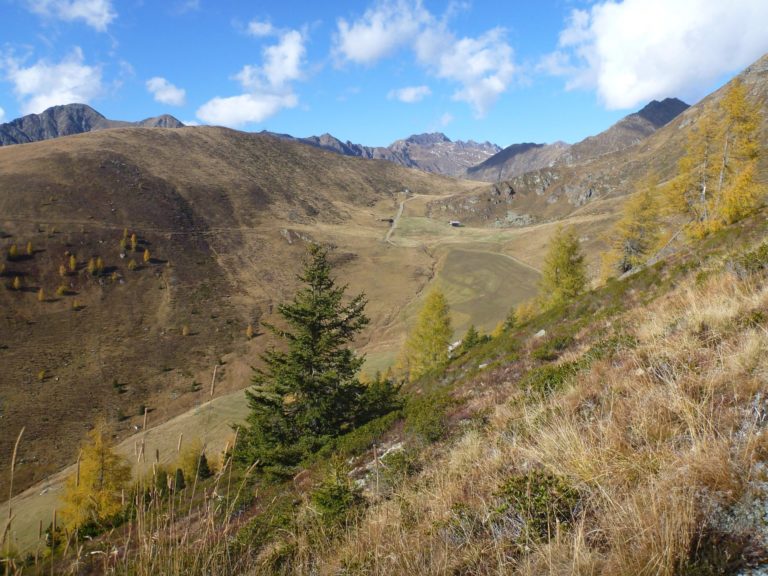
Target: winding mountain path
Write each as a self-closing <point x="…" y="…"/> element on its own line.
<point x="392" y="227"/>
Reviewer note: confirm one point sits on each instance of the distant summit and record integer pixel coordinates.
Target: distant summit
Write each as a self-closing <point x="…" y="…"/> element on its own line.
<point x="627" y="131"/>
<point x="433" y="152"/>
<point x="70" y="119"/>
<point x="427" y="139"/>
<point x="661" y="113"/>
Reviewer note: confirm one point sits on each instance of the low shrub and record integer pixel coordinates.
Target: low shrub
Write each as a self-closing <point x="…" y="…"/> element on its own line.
<point x="542" y="501"/>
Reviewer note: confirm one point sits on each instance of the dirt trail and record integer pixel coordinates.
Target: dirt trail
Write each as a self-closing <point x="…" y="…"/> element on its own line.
<point x="400" y="209"/>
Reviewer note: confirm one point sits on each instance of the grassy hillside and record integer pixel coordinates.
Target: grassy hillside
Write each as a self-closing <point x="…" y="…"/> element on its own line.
<point x="621" y="434"/>
<point x="225" y="216"/>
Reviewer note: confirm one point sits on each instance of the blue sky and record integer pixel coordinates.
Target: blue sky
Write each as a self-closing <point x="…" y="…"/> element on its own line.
<point x="375" y="71"/>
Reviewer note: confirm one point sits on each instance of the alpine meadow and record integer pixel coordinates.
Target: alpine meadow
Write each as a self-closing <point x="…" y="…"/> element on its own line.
<point x="252" y="338"/>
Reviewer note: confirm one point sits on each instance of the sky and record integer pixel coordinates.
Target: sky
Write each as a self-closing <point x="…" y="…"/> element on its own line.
<point x="374" y="71"/>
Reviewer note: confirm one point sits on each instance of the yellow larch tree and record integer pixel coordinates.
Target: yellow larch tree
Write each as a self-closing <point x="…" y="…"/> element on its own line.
<point x="426" y="347"/>
<point x="716" y="181"/>
<point x="94" y="492"/>
<point x="636" y="234"/>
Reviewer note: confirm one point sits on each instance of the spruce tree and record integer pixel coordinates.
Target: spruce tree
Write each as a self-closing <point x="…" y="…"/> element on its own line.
<point x="564" y="275"/>
<point x="308" y="391"/>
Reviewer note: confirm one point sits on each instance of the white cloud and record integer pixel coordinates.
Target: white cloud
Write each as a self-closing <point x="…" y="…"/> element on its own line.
<point x="410" y="94"/>
<point x="269" y="87"/>
<point x="236" y="111"/>
<point x="446" y="119"/>
<point x="481" y="66"/>
<point x="44" y="84"/>
<point x="380" y="31"/>
<point x="165" y="92"/>
<point x="97" y="14"/>
<point x="259" y="29"/>
<point x="2" y="114"/>
<point x="635" y="50"/>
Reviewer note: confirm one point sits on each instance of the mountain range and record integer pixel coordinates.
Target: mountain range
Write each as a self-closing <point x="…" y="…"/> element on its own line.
<point x="67" y="120"/>
<point x="432" y="152"/>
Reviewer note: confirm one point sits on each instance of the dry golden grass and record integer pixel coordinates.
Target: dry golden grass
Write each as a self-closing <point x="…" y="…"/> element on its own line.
<point x="657" y="440"/>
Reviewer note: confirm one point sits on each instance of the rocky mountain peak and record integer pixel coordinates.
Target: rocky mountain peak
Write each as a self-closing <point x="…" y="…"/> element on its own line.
<point x="661" y="113"/>
<point x="68" y="119"/>
<point x="429" y="139"/>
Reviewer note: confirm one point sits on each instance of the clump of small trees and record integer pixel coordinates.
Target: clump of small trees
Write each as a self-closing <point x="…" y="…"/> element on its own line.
<point x="717" y="182"/>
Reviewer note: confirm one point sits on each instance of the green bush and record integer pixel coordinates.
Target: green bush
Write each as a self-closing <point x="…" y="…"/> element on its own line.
<point x="364" y="437"/>
<point x="278" y="517"/>
<point x="335" y="499"/>
<point x="541" y="499"/>
<point x="426" y="416"/>
<point x="549" y="378"/>
<point x="552" y="348"/>
<point x="751" y="261"/>
<point x="397" y="466"/>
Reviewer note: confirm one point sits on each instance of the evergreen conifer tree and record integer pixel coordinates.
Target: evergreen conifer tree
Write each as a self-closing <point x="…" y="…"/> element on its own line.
<point x="308" y="390"/>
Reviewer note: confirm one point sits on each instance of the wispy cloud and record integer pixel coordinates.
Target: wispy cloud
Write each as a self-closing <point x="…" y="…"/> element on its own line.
<point x="260" y="29"/>
<point x="165" y="92"/>
<point x="97" y="14"/>
<point x="481" y="66"/>
<point x="409" y="94"/>
<point x="636" y="50"/>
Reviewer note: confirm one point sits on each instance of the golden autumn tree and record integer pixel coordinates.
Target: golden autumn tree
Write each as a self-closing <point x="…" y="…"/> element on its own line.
<point x="94" y="493"/>
<point x="716" y="181"/>
<point x="636" y="234"/>
<point x="564" y="275"/>
<point x="426" y="347"/>
<point x="738" y="192"/>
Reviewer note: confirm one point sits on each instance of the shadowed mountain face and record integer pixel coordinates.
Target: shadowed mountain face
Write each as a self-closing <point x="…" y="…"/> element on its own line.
<point x="518" y="159"/>
<point x="434" y="152"/>
<point x="67" y="120"/>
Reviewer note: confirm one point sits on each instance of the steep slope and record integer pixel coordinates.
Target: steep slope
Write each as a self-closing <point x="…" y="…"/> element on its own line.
<point x="515" y="160"/>
<point x="565" y="187"/>
<point x="223" y="216"/>
<point x="518" y="159"/>
<point x="69" y="119"/>
<point x="435" y="152"/>
<point x="626" y="132"/>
